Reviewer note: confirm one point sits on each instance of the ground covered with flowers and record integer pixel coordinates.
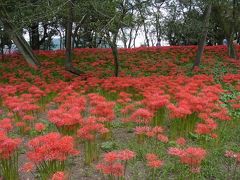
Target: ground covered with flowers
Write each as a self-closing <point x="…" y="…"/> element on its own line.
<point x="158" y="120"/>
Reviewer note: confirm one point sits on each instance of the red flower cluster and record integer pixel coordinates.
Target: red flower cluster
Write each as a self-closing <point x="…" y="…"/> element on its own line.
<point x="150" y="132"/>
<point x="8" y="145"/>
<point x="142" y="116"/>
<point x="51" y="147"/>
<point x="124" y="98"/>
<point x="191" y="156"/>
<point x="112" y="162"/>
<point x="69" y="113"/>
<point x="59" y="176"/>
<point x="6" y="125"/>
<point x="39" y="127"/>
<point x="90" y="128"/>
<point x="153" y="161"/>
<point x="101" y="108"/>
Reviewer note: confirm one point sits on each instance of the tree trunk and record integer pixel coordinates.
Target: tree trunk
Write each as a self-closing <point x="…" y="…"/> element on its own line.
<point x="203" y="38"/>
<point x="232" y="52"/>
<point x="146" y="33"/>
<point x="20" y="42"/>
<point x="130" y="38"/>
<point x="124" y="38"/>
<point x="2" y="52"/>
<point x="115" y="55"/>
<point x="135" y="37"/>
<point x="68" y="62"/>
<point x="113" y="44"/>
<point x="35" y="43"/>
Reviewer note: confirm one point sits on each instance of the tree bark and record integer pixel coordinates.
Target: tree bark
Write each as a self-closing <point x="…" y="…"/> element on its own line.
<point x="124" y="38"/>
<point x="135" y="37"/>
<point x="35" y="43"/>
<point x="115" y="55"/>
<point x="232" y="52"/>
<point x="68" y="61"/>
<point x="130" y="38"/>
<point x="20" y="42"/>
<point x="113" y="44"/>
<point x="203" y="38"/>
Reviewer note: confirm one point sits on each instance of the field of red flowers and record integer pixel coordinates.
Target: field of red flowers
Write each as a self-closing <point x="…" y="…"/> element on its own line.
<point x="158" y="120"/>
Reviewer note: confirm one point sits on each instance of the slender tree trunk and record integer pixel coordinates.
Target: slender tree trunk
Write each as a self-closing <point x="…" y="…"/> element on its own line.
<point x="68" y="62"/>
<point x="135" y="37"/>
<point x="146" y="33"/>
<point x="115" y="55"/>
<point x="2" y="52"/>
<point x="113" y="44"/>
<point x="20" y="42"/>
<point x="232" y="52"/>
<point x="69" y="54"/>
<point x="35" y="43"/>
<point x="130" y="38"/>
<point x="203" y="38"/>
<point x="124" y="38"/>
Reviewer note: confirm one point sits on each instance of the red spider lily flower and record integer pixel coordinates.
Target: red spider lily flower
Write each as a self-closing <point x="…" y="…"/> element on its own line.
<point x="153" y="161"/>
<point x="191" y="156"/>
<point x="39" y="127"/>
<point x="205" y="128"/>
<point x="51" y="147"/>
<point x="6" y="124"/>
<point x="155" y="164"/>
<point x="8" y="145"/>
<point x="59" y="176"/>
<point x="89" y="129"/>
<point x="110" y="157"/>
<point x="162" y="138"/>
<point x="28" y="118"/>
<point x="126" y="155"/>
<point x="181" y="141"/>
<point x="27" y="167"/>
<point x="142" y="116"/>
<point x="111" y="164"/>
<point x="151" y="157"/>
<point x="115" y="169"/>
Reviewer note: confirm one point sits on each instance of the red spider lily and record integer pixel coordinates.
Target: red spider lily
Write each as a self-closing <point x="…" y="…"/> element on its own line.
<point x="151" y="157"/>
<point x="154" y="163"/>
<point x="9" y="156"/>
<point x="6" y="125"/>
<point x="39" y="127"/>
<point x="162" y="138"/>
<point x="151" y="132"/>
<point x="126" y="155"/>
<point x="142" y="116"/>
<point x="51" y="147"/>
<point x="115" y="169"/>
<point x="202" y="128"/>
<point x="8" y="145"/>
<point x="27" y="167"/>
<point x="112" y="162"/>
<point x="59" y="176"/>
<point x="181" y="141"/>
<point x="191" y="156"/>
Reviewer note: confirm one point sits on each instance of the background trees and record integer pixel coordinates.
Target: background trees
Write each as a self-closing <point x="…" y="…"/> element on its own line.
<point x="106" y="23"/>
